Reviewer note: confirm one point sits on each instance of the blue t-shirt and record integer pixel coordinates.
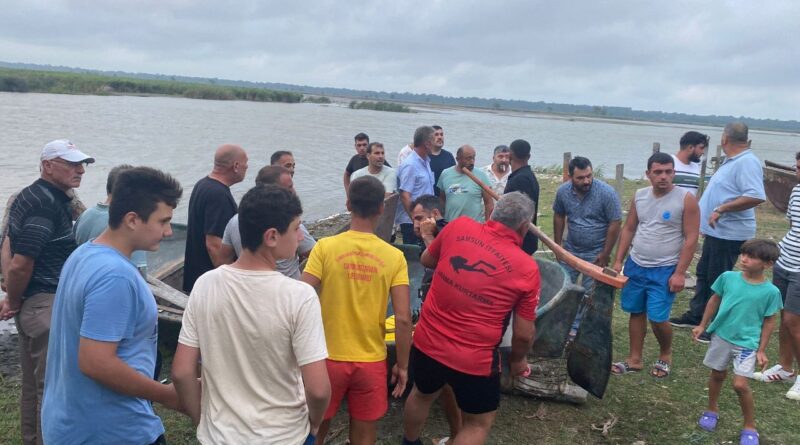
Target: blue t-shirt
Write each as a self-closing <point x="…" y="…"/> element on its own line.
<point x="740" y="175"/>
<point x="93" y="222"/>
<point x="415" y="177"/>
<point x="742" y="309"/>
<point x="588" y="218"/>
<point x="102" y="297"/>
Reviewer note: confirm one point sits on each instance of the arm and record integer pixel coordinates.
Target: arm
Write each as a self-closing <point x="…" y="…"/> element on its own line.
<point x="612" y="234"/>
<point x="226" y="252"/>
<point x="405" y="199"/>
<point x="318" y="392"/>
<point x="312" y="280"/>
<point x="401" y="305"/>
<point x="766" y="331"/>
<point x="691" y="232"/>
<point x="98" y="360"/>
<point x="428" y="260"/>
<point x="5" y="259"/>
<point x="626" y="237"/>
<point x="737" y="205"/>
<point x="521" y="341"/>
<point x="17" y="277"/>
<point x="216" y="251"/>
<point x="708" y="315"/>
<point x="346" y="181"/>
<point x="185" y="376"/>
<point x="443" y="200"/>
<point x="559" y="222"/>
<point x="488" y="204"/>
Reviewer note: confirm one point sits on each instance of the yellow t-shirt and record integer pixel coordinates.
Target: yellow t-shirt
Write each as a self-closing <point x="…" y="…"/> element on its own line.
<point x="357" y="270"/>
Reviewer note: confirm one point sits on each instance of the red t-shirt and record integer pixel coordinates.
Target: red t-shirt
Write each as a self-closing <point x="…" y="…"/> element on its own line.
<point x="482" y="276"/>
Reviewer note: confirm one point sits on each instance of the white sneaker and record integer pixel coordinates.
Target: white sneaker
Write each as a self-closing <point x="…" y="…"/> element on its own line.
<point x="775" y="374"/>
<point x="794" y="392"/>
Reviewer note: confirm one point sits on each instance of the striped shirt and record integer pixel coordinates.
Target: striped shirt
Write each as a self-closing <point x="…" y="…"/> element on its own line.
<point x="790" y="244"/>
<point x="40" y="227"/>
<point x="687" y="176"/>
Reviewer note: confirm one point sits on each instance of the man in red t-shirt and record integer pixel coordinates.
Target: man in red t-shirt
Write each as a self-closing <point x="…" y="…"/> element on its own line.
<point x="482" y="277"/>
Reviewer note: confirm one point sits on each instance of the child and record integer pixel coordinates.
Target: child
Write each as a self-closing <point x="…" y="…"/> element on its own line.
<point x="747" y="305"/>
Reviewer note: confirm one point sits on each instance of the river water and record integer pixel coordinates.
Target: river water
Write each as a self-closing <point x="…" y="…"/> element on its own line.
<point x="180" y="136"/>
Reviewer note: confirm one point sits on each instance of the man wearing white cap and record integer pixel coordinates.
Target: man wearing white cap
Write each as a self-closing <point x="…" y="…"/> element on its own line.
<point x="40" y="231"/>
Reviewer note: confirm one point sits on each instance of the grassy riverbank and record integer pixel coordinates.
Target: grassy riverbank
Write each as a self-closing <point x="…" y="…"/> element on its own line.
<point x="648" y="411"/>
<point x="25" y="81"/>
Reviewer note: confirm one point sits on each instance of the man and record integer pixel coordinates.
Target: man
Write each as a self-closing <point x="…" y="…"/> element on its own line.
<point x="459" y="194"/>
<point x="499" y="170"/>
<point x="283" y="158"/>
<point x="359" y="160"/>
<point x="663" y="226"/>
<point x="687" y="160"/>
<point x="523" y="180"/>
<point x="481" y="276"/>
<point x="40" y="240"/>
<point x="211" y="206"/>
<point x="259" y="334"/>
<point x="415" y="179"/>
<point x="727" y="217"/>
<point x="591" y="210"/>
<point x="354" y="273"/>
<point x="232" y="239"/>
<point x="403" y="154"/>
<point x="440" y="158"/>
<point x="376" y="168"/>
<point x="91" y="223"/>
<point x="102" y="352"/>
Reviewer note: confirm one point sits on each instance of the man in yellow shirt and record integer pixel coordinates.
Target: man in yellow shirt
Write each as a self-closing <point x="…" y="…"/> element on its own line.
<point x="355" y="273"/>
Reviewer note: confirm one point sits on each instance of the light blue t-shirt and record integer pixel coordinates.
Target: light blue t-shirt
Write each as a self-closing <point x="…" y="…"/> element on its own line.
<point x="742" y="309"/>
<point x="415" y="177"/>
<point x="463" y="196"/>
<point x="740" y="175"/>
<point x="92" y="223"/>
<point x="101" y="296"/>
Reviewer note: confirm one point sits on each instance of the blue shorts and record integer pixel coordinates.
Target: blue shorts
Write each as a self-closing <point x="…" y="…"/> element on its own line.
<point x="648" y="291"/>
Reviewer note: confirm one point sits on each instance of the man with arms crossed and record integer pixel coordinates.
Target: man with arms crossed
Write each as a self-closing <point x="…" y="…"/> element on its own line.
<point x="415" y="179"/>
<point x="102" y="352"/>
<point x="482" y="276"/>
<point x="662" y="226"/>
<point x="377" y="168"/>
<point x="460" y="195"/>
<point x="687" y="160"/>
<point x="259" y="334"/>
<point x="354" y="273"/>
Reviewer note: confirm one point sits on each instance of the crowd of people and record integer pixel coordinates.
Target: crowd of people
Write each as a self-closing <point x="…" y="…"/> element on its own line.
<point x="268" y="350"/>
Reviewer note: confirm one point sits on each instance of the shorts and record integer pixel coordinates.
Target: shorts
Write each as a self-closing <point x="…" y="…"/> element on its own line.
<point x="364" y="384"/>
<point x="789" y="285"/>
<point x="721" y="352"/>
<point x="648" y="291"/>
<point x="474" y="394"/>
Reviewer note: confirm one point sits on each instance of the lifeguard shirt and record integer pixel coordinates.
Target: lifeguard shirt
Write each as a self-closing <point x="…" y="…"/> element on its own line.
<point x="356" y="270"/>
<point x="482" y="276"/>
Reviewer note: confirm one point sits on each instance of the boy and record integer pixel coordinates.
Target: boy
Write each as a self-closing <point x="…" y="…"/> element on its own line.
<point x="747" y="305"/>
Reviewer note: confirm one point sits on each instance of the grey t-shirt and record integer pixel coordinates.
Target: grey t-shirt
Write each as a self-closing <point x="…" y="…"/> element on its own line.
<point x="291" y="267"/>
<point x="659" y="236"/>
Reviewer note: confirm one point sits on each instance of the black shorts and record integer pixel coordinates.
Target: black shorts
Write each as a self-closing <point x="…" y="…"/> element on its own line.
<point x="474" y="394"/>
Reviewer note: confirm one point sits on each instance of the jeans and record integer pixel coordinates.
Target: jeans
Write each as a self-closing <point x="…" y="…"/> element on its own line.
<point x="719" y="255"/>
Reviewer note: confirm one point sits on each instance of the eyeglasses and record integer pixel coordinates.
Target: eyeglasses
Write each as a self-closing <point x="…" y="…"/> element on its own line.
<point x="70" y="163"/>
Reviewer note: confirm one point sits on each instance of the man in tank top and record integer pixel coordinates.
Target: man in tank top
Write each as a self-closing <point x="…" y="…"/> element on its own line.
<point x="663" y="227"/>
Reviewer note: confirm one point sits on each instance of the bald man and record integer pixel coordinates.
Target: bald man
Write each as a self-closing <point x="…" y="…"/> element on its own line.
<point x="211" y="206"/>
<point x="461" y="196"/>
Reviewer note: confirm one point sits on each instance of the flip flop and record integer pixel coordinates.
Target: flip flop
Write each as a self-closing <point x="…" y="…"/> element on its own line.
<point x="708" y="421"/>
<point x="748" y="437"/>
<point x="660" y="366"/>
<point x="622" y="368"/>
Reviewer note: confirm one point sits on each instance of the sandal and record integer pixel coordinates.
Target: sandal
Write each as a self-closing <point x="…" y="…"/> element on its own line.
<point x="660" y="370"/>
<point x="708" y="421"/>
<point x="748" y="437"/>
<point x="622" y="368"/>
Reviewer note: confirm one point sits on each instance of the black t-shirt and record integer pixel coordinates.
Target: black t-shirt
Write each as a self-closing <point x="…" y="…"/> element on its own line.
<point x="440" y="162"/>
<point x="523" y="180"/>
<point x="211" y="206"/>
<point x="357" y="162"/>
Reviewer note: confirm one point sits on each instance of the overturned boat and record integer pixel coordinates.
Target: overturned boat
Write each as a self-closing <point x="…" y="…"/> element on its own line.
<point x="779" y="180"/>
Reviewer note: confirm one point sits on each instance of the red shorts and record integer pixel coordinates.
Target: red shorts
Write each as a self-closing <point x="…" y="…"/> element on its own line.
<point x="364" y="384"/>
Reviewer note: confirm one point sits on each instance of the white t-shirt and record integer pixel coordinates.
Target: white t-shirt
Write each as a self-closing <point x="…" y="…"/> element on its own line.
<point x="387" y="176"/>
<point x="497" y="185"/>
<point x="254" y="330"/>
<point x="404" y="152"/>
<point x="687" y="176"/>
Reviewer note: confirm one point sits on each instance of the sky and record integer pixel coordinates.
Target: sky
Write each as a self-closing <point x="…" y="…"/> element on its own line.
<point x="739" y="58"/>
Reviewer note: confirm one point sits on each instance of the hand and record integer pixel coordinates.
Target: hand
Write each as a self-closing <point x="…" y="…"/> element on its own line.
<point x="712" y="220"/>
<point x="761" y="358"/>
<point x="8" y="309"/>
<point x="399" y="380"/>
<point x="428" y="228"/>
<point x="617" y="266"/>
<point x="696" y="331"/>
<point x="677" y="282"/>
<point x="171" y="399"/>
<point x="602" y="259"/>
<point x="520" y="368"/>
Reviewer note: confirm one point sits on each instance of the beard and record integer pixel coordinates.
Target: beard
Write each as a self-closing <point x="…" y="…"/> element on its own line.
<point x="694" y="158"/>
<point x="502" y="168"/>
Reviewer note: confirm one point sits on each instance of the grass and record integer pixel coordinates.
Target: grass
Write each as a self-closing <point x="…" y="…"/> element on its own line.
<point x="648" y="411"/>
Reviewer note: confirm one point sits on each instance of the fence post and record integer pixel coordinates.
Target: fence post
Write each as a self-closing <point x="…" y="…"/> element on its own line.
<point x="702" y="185"/>
<point x="619" y="186"/>
<point x="565" y="166"/>
<point x="718" y="158"/>
<point x="656" y="147"/>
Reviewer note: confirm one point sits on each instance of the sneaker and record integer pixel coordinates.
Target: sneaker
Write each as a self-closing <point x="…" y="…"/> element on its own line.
<point x="704" y="338"/>
<point x="775" y="374"/>
<point x="794" y="392"/>
<point x="684" y="321"/>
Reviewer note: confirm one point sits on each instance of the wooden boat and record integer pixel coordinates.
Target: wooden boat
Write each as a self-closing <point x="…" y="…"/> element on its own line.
<point x="779" y="180"/>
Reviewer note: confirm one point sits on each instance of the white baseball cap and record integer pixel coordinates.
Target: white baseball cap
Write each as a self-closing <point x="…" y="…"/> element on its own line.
<point x="66" y="150"/>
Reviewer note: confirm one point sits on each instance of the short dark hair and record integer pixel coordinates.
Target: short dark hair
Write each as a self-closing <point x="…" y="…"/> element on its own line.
<point x="265" y="207"/>
<point x="361" y="137"/>
<point x="521" y="149"/>
<point x="366" y="196"/>
<point x="423" y="134"/>
<point x="139" y="190"/>
<point x="113" y="175"/>
<point x="428" y="203"/>
<point x="271" y="174"/>
<point x="693" y="138"/>
<point x="501" y="149"/>
<point x="763" y="249"/>
<point x="436" y="127"/>
<point x="797" y="156"/>
<point x="659" y="157"/>
<point x="578" y="162"/>
<point x="373" y="144"/>
<point x="278" y="155"/>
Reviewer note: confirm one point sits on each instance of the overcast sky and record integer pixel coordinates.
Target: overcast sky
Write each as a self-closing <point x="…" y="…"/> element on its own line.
<point x="701" y="57"/>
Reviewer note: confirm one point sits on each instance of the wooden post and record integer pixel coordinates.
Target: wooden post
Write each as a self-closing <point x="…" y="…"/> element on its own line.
<point x="718" y="158"/>
<point x="620" y="184"/>
<point x="565" y="166"/>
<point x="656" y="147"/>
<point x="702" y="186"/>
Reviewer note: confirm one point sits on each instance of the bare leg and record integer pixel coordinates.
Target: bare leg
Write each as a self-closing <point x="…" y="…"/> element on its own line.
<point x="451" y="411"/>
<point x="322" y="432"/>
<point x="792" y="323"/>
<point x="637" y="329"/>
<point x="415" y="412"/>
<point x="475" y="428"/>
<point x="785" y="353"/>
<point x="363" y="432"/>
<point x="663" y="333"/>
<point x="714" y="388"/>
<point x="746" y="401"/>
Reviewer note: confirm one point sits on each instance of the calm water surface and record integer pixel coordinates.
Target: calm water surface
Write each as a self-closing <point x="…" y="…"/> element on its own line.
<point x="180" y="136"/>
